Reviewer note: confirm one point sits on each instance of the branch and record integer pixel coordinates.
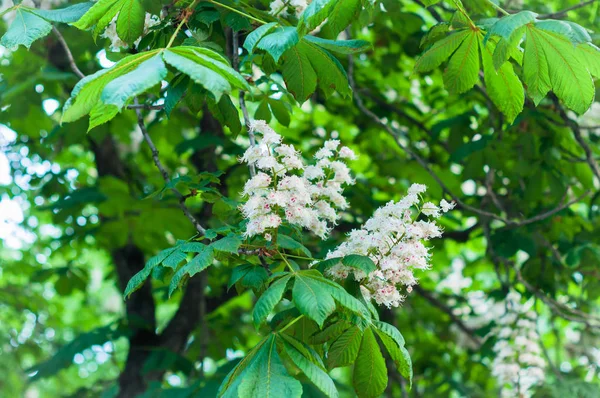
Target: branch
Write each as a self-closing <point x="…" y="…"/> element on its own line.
<point x="146" y="106"/>
<point x="236" y="67"/>
<point x="65" y="46"/>
<point x="437" y="303"/>
<point x="559" y="14"/>
<point x="164" y="172"/>
<point x="397" y="135"/>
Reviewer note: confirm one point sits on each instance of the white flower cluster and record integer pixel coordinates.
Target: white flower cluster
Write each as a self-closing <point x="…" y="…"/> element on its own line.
<point x="280" y="7"/>
<point x="394" y="241"/>
<point x="285" y="188"/>
<point x="115" y="41"/>
<point x="518" y="364"/>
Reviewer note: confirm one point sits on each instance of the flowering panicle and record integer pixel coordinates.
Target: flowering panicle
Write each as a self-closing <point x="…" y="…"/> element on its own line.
<point x="392" y="238"/>
<point x="285" y="188"/>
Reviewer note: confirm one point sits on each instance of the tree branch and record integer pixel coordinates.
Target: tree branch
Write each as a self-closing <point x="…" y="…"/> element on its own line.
<point x="164" y="172"/>
<point x="558" y="14"/>
<point x="65" y="46"/>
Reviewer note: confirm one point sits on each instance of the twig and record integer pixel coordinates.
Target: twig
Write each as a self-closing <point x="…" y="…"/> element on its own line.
<point x="65" y="46"/>
<point x="440" y="305"/>
<point x="236" y="65"/>
<point x="164" y="172"/>
<point x="396" y="135"/>
<point x="561" y="13"/>
<point x="146" y="106"/>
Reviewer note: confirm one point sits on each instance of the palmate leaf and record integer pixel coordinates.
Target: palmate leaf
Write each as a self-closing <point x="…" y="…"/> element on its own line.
<point x="279" y="42"/>
<point x="462" y="71"/>
<point x="267" y="377"/>
<point x="503" y="85"/>
<point x="316" y="12"/>
<point x="315" y="373"/>
<point x="311" y="298"/>
<point x="95" y="13"/>
<point x="370" y="373"/>
<point x="105" y="93"/>
<point x="299" y="76"/>
<point x="440" y="51"/>
<point x="254" y="37"/>
<point x="26" y="28"/>
<point x="199" y="263"/>
<point x="505" y="26"/>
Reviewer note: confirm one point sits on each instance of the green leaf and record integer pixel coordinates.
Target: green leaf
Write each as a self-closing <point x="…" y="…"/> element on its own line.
<point x="263" y="112"/>
<point x="399" y="355"/>
<point x="138" y="279"/>
<point x="348" y="301"/>
<point x="570" y="80"/>
<point x="267" y="377"/>
<point x="210" y="80"/>
<point x="505" y="26"/>
<point x="576" y="33"/>
<point x="254" y="37"/>
<point x="95" y="13"/>
<point x="462" y="71"/>
<point x="229" y="244"/>
<point x="507" y="47"/>
<point x="434" y="34"/>
<point x="363" y="263"/>
<point x="87" y="91"/>
<point x="330" y="73"/>
<point x="229" y="386"/>
<point x="311" y="299"/>
<point x="589" y="55"/>
<point x="147" y="75"/>
<point x="535" y="67"/>
<point x="330" y="333"/>
<point x="503" y="86"/>
<point x="316" y="12"/>
<point x="370" y="373"/>
<point x="340" y="46"/>
<point x="64" y="15"/>
<point x="269" y="299"/>
<point x="101" y="114"/>
<point x="279" y="42"/>
<point x="440" y="51"/>
<point x="344" y="350"/>
<point x="280" y="111"/>
<point x="199" y="263"/>
<point x="106" y="19"/>
<point x="25" y="29"/>
<point x="343" y="14"/>
<point x="298" y="74"/>
<point x="175" y="91"/>
<point x="314" y="373"/>
<point x="286" y="242"/>
<point x="130" y="22"/>
<point x="391" y="331"/>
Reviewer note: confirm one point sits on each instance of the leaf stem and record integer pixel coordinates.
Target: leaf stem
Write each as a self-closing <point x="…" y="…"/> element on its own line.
<point x="236" y="11"/>
<point x="286" y="262"/>
<point x="497" y="7"/>
<point x="183" y="21"/>
<point x="290" y="324"/>
<point x="301" y="257"/>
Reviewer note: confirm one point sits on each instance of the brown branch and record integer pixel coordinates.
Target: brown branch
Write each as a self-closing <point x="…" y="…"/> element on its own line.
<point x="65" y="46"/>
<point x="164" y="172"/>
<point x="146" y="106"/>
<point x="440" y="305"/>
<point x="562" y="13"/>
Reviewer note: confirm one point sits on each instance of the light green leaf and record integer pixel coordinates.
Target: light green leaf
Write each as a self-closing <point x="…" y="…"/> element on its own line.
<point x="279" y="41"/>
<point x="340" y="46"/>
<point x="344" y="350"/>
<point x="391" y="331"/>
<point x="105" y="19"/>
<point x="210" y="80"/>
<point x="286" y="242"/>
<point x="130" y="22"/>
<point x="343" y="14"/>
<point x="503" y="86"/>
<point x="267" y="377"/>
<point x="370" y="373"/>
<point x="87" y="91"/>
<point x="316" y="12"/>
<point x="229" y="386"/>
<point x="101" y="114"/>
<point x="64" y="15"/>
<point x="505" y="26"/>
<point x="570" y="79"/>
<point x="507" y="47"/>
<point x="535" y="67"/>
<point x="298" y="74"/>
<point x="254" y="37"/>
<point x="435" y="33"/>
<point x="199" y="263"/>
<point x="576" y="33"/>
<point x="269" y="299"/>
<point x="589" y="55"/>
<point x="25" y="29"/>
<point x="428" y="3"/>
<point x="314" y="373"/>
<point x="462" y="71"/>
<point x="147" y="75"/>
<point x="440" y="52"/>
<point x="311" y="299"/>
<point x="99" y="9"/>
